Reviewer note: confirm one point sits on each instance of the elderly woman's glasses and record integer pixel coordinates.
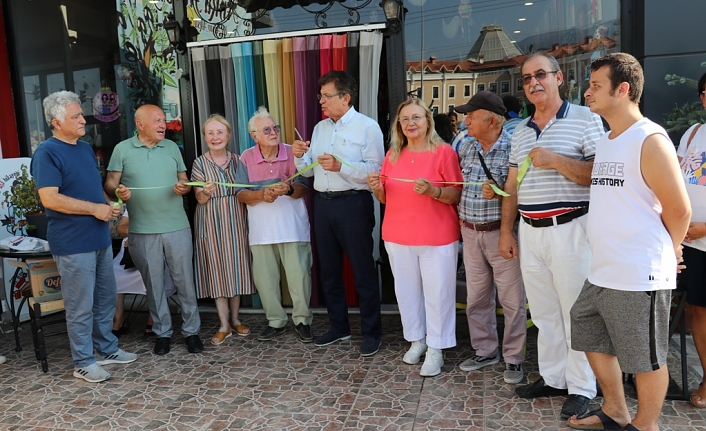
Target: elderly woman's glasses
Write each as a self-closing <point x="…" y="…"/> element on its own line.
<point x="415" y="119"/>
<point x="267" y="130"/>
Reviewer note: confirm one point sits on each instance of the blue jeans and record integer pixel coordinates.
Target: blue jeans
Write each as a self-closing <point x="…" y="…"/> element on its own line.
<point x="90" y="296"/>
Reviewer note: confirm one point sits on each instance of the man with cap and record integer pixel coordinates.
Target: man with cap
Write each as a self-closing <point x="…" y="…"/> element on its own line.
<point x="484" y="161"/>
<point x="559" y="140"/>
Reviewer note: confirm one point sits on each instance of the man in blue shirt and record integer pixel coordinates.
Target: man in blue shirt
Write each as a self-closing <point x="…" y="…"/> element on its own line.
<point x="69" y="183"/>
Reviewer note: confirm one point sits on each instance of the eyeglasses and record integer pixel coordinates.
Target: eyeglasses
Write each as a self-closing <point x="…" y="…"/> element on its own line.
<point x="328" y="96"/>
<point x="267" y="130"/>
<point x="415" y="119"/>
<point x="539" y="76"/>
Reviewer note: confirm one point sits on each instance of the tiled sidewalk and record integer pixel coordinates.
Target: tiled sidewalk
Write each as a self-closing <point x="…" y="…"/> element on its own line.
<point x="278" y="385"/>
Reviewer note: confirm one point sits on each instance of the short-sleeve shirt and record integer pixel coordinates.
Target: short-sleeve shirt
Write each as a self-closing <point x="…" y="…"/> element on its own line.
<point x="285" y="219"/>
<point x="154" y="210"/>
<point x="693" y="169"/>
<point x="414" y="219"/>
<point x="573" y="133"/>
<point x="74" y="170"/>
<point x="473" y="207"/>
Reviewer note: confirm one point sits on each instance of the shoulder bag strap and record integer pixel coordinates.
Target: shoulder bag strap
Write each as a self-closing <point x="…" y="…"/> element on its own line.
<point x="693" y="132"/>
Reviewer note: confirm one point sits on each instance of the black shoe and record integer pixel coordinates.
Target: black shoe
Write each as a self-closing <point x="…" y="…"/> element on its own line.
<point x="270" y="333"/>
<point x="194" y="344"/>
<point x="370" y="346"/>
<point x="331" y="337"/>
<point x="574" y="405"/>
<point x="161" y="347"/>
<point x="304" y="333"/>
<point x="539" y="389"/>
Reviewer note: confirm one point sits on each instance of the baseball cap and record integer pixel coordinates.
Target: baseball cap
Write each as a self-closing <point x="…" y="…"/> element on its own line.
<point x="483" y="100"/>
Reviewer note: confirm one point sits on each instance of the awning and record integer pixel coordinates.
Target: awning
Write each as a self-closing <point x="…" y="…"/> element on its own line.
<point x="255" y="5"/>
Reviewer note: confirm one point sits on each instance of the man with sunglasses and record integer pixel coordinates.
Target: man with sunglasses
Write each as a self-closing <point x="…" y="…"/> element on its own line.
<point x="347" y="146"/>
<point x="278" y="227"/>
<point x="552" y="197"/>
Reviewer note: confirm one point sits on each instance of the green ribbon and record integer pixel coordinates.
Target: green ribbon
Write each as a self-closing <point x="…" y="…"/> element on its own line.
<point x="495" y="188"/>
<point x="523" y="170"/>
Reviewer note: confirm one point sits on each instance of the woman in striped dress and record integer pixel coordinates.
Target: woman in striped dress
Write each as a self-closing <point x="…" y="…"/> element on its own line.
<point x="222" y="253"/>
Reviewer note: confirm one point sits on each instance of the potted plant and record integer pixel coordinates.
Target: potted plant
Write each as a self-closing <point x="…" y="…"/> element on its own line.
<point x="24" y="204"/>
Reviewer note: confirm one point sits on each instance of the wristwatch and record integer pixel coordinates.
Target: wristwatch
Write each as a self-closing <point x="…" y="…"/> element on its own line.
<point x="290" y="192"/>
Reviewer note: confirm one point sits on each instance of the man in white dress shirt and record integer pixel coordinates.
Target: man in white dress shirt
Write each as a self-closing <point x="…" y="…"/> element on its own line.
<point x="343" y="207"/>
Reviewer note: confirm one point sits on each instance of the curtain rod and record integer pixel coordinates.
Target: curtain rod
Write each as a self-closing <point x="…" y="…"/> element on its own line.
<point x="310" y="32"/>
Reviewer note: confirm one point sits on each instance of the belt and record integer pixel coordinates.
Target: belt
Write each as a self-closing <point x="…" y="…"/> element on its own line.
<point x="336" y="195"/>
<point x="483" y="227"/>
<point x="555" y="221"/>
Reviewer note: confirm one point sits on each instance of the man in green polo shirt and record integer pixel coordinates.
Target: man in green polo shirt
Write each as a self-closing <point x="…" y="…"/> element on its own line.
<point x="159" y="228"/>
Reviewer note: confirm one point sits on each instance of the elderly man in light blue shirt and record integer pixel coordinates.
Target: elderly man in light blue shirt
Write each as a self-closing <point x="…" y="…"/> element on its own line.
<point x="343" y="208"/>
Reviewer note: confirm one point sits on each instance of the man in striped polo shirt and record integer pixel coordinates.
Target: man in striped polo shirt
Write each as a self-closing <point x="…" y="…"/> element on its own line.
<point x="552" y="197"/>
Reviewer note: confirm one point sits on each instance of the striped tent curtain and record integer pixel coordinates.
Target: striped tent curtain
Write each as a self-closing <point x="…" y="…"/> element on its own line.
<point x="282" y="75"/>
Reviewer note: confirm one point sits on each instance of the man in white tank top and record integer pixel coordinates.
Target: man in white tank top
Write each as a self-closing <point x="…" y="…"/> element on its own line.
<point x="639" y="215"/>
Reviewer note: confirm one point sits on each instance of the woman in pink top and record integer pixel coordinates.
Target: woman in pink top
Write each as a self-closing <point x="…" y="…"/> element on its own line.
<point x="421" y="232"/>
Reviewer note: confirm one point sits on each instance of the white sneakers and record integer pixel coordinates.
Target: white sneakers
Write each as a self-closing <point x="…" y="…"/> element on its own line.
<point x="93" y="373"/>
<point x="432" y="363"/>
<point x="415" y="352"/>
<point x="119" y="357"/>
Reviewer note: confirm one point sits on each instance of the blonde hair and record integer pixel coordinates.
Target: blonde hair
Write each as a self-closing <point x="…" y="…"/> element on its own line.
<point x="215" y="117"/>
<point x="398" y="140"/>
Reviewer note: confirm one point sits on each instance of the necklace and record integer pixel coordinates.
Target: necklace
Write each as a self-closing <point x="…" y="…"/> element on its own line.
<point x="414" y="154"/>
<point x="222" y="164"/>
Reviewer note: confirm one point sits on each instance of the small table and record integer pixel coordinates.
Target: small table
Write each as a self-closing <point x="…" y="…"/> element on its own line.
<point x="24" y="291"/>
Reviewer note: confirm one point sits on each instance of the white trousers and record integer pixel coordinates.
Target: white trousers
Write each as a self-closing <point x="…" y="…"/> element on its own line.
<point x="425" y="285"/>
<point x="555" y="261"/>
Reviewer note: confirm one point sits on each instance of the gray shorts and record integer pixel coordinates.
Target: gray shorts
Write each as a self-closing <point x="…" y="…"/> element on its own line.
<point x="634" y="326"/>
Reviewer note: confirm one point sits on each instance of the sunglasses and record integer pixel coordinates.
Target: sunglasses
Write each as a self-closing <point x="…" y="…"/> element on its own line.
<point x="539" y="76"/>
<point x="268" y="130"/>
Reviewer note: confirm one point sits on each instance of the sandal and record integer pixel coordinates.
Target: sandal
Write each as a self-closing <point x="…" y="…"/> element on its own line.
<point x="220" y="337"/>
<point x="631" y="427"/>
<point x="148" y="330"/>
<point x="606" y="423"/>
<point x="241" y="329"/>
<point x="697" y="400"/>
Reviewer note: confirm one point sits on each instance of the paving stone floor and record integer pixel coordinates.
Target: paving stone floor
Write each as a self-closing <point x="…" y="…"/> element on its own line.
<point x="279" y="385"/>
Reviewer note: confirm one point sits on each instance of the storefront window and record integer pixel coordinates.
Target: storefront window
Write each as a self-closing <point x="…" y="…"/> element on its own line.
<point x="113" y="54"/>
<point x="467" y="42"/>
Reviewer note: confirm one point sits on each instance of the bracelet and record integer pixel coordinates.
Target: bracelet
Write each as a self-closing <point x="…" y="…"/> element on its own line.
<point x="439" y="195"/>
<point x="290" y="192"/>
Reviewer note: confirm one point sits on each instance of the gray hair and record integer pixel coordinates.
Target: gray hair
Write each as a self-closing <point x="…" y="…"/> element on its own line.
<point x="499" y="119"/>
<point x="261" y="113"/>
<point x="552" y="60"/>
<point x="55" y="105"/>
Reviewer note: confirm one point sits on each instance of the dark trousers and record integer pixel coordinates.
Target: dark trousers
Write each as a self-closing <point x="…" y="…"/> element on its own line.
<point x="345" y="225"/>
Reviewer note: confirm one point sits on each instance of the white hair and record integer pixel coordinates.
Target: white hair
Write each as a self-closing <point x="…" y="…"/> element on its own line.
<point x="55" y="105"/>
<point x="261" y="113"/>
